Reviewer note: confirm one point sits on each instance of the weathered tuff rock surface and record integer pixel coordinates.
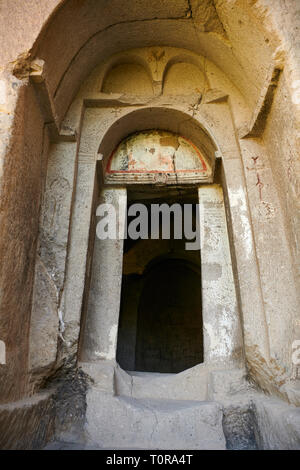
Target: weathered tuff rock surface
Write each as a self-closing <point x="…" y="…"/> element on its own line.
<point x="75" y="79"/>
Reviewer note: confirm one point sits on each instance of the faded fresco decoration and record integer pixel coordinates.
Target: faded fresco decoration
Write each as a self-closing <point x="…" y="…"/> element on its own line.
<point x="156" y="152"/>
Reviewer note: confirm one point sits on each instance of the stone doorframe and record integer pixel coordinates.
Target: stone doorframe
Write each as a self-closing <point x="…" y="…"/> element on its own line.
<point x="77" y="170"/>
<point x="223" y="346"/>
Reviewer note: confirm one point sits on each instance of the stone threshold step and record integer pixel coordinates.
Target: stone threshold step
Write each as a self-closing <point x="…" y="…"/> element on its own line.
<point x="126" y="422"/>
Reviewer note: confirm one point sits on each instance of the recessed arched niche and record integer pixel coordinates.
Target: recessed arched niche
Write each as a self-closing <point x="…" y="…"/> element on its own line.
<point x="183" y="78"/>
<point x="128" y="78"/>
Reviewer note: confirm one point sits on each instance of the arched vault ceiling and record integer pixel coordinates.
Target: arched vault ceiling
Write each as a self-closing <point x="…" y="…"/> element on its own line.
<point x="82" y="33"/>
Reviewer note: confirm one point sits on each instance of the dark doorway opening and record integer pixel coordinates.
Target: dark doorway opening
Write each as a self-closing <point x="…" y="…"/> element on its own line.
<point x="160" y="325"/>
<point x="169" y="326"/>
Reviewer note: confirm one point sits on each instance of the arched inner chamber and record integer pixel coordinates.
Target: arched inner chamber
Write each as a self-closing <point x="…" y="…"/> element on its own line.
<point x="160" y="325"/>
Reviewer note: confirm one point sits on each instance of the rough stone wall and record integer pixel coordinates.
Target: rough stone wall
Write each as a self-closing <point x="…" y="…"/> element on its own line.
<point x="283" y="147"/>
<point x="57" y="412"/>
<point x="238" y="37"/>
<point x="27" y="424"/>
<point x="21" y="25"/>
<point x="22" y="182"/>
